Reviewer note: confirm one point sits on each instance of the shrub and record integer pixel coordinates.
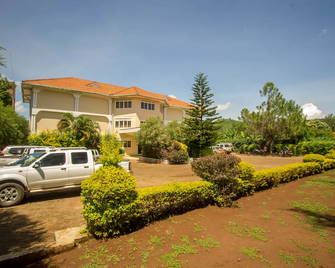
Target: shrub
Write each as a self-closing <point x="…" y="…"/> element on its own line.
<point x="292" y="148"/>
<point x="108" y="195"/>
<point x="313" y="158"/>
<point x="207" y="151"/>
<point x="251" y="148"/>
<point x="246" y="176"/>
<point x="268" y="178"/>
<point x="298" y="148"/>
<point x="154" y="201"/>
<point x="222" y="171"/>
<point x="329" y="164"/>
<point x="318" y="147"/>
<point x="177" y="157"/>
<point x="331" y="154"/>
<point x="243" y="148"/>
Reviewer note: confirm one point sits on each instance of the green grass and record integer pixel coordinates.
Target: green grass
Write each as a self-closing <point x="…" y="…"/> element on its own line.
<point x="208" y="243"/>
<point x="311" y="205"/>
<point x="262" y="203"/>
<point x="266" y="217"/>
<point x="198" y="228"/>
<point x="239" y="216"/>
<point x="281" y="222"/>
<point x="309" y="260"/>
<point x="301" y="246"/>
<point x="156" y="241"/>
<point x="251" y="252"/>
<point x="246" y="230"/>
<point x="331" y="250"/>
<point x="287" y="259"/>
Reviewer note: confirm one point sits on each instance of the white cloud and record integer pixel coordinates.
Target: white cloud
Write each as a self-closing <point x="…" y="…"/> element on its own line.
<point x="324" y="31"/>
<point x="223" y="106"/>
<point x="172" y="96"/>
<point x="312" y="111"/>
<point x="19" y="107"/>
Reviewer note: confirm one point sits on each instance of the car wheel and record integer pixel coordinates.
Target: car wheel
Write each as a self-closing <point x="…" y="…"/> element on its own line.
<point x="11" y="194"/>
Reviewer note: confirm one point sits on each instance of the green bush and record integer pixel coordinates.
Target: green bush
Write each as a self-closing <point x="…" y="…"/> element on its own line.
<point x="268" y="178"/>
<point x="246" y="176"/>
<point x="207" y="151"/>
<point x="292" y="148"/>
<point x="177" y="157"/>
<point x="222" y="171"/>
<point x="318" y="147"/>
<point x="243" y="148"/>
<point x="251" y="148"/>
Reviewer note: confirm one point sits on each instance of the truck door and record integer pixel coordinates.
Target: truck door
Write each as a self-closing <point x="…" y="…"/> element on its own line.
<point x="52" y="173"/>
<point x="81" y="167"/>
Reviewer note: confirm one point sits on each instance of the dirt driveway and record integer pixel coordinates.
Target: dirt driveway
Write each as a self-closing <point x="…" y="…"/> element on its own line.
<point x="34" y="222"/>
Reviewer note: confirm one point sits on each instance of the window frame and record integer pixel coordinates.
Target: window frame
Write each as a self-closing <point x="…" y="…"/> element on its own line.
<point x="125" y="143"/>
<point x="79" y="153"/>
<point x="121" y="104"/>
<point x="125" y="122"/>
<point x="150" y="106"/>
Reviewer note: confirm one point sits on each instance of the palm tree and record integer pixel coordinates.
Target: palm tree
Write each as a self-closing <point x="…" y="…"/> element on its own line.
<point x="84" y="129"/>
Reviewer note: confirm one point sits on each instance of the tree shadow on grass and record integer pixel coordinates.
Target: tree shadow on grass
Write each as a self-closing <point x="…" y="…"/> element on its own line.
<point x="18" y="232"/>
<point x="320" y="219"/>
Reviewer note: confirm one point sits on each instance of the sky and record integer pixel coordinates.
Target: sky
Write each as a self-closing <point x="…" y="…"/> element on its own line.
<point x="160" y="46"/>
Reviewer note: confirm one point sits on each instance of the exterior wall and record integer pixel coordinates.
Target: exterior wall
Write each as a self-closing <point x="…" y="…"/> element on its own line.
<point x="136" y="109"/>
<point x="174" y="114"/>
<point x="90" y="104"/>
<point x="48" y="99"/>
<point x="135" y="121"/>
<point x="127" y="137"/>
<point x="47" y="120"/>
<point x="103" y="122"/>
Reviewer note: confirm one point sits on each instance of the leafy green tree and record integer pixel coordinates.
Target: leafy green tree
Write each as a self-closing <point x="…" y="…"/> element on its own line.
<point x="5" y="85"/>
<point x="275" y="119"/>
<point x="330" y="120"/>
<point x="201" y="128"/>
<point x="174" y="131"/>
<point x="14" y="129"/>
<point x="83" y="128"/>
<point x="317" y="128"/>
<point x="151" y="137"/>
<point x="2" y="59"/>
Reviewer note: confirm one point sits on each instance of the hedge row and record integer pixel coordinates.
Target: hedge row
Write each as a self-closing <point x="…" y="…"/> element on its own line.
<point x="112" y="205"/>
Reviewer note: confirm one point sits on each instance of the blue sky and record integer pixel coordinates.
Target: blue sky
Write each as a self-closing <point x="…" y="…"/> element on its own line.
<point x="161" y="45"/>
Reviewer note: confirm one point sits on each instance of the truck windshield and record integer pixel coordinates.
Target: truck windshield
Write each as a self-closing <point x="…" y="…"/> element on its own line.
<point x="30" y="159"/>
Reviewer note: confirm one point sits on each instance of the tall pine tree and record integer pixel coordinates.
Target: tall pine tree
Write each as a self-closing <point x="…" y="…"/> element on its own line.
<point x="201" y="128"/>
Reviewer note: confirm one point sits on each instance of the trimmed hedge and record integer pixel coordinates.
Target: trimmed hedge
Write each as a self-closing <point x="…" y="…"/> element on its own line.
<point x="268" y="178"/>
<point x="317" y="147"/>
<point x="331" y="154"/>
<point x="313" y="158"/>
<point x="329" y="164"/>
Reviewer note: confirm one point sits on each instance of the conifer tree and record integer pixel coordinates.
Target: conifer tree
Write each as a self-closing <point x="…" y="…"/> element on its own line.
<point x="201" y="128"/>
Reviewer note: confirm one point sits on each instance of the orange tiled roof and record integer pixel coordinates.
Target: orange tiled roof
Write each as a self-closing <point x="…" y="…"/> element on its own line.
<point x="102" y="88"/>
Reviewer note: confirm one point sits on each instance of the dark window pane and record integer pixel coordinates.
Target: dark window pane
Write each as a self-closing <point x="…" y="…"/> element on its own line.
<point x="121" y="104"/>
<point x="121" y="124"/>
<point x="142" y="105"/>
<point x="117" y="104"/>
<point x="117" y="124"/>
<point x="16" y="150"/>
<point x="129" y="123"/>
<point x="149" y="106"/>
<point x="146" y="106"/>
<point x="79" y="158"/>
<point x="129" y="104"/>
<point x="153" y="107"/>
<point x="53" y="160"/>
<point x="126" y="104"/>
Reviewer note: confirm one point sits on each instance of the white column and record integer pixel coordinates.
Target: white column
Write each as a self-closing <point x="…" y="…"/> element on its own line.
<point x="33" y="123"/>
<point x="76" y="101"/>
<point x="111" y="113"/>
<point x="35" y="91"/>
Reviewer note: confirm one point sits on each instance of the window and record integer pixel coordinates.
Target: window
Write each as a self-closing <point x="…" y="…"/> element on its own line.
<point x="16" y="150"/>
<point x="79" y="158"/>
<point x="142" y="121"/>
<point x="53" y="160"/>
<point x="147" y="106"/>
<point x="126" y="144"/>
<point x="123" y="104"/>
<point x="123" y="123"/>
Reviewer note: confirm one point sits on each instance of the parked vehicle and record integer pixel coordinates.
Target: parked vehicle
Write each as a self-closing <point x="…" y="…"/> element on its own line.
<point x="225" y="147"/>
<point x="56" y="170"/>
<point x="21" y="160"/>
<point x="14" y="153"/>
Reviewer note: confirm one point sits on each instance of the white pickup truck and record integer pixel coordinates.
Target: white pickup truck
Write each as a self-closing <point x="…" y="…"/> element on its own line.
<point x="50" y="171"/>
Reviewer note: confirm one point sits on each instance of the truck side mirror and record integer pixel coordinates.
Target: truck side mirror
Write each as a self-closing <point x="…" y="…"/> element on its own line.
<point x="37" y="165"/>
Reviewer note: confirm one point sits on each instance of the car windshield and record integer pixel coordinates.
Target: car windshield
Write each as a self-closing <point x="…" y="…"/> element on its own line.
<point x="30" y="159"/>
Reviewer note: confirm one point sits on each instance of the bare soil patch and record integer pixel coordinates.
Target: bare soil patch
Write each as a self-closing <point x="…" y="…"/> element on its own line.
<point x="34" y="222"/>
<point x="290" y="225"/>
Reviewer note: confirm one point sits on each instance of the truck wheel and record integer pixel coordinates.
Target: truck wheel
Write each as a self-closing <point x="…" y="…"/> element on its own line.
<point x="11" y="194"/>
